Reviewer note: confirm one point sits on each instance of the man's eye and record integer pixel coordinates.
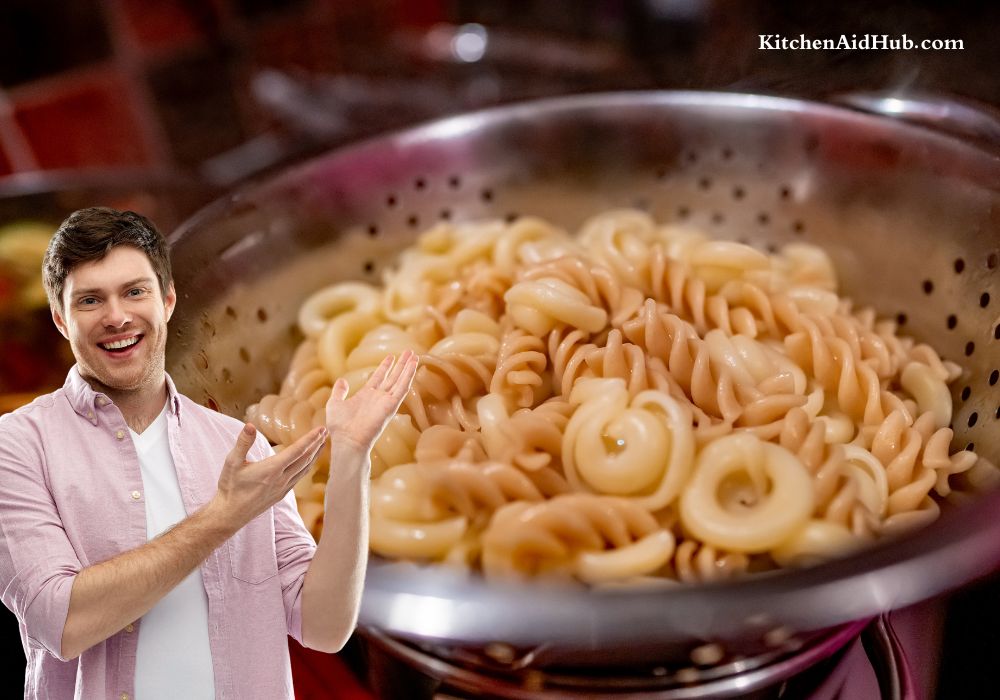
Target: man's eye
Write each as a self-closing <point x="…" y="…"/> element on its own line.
<point x="88" y="301"/>
<point x="137" y="292"/>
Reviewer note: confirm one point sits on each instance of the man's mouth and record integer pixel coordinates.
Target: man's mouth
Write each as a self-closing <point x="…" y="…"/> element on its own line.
<point x="120" y="346"/>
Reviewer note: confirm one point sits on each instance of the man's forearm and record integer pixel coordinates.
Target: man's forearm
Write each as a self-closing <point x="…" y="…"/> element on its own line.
<point x="331" y="594"/>
<point x="108" y="596"/>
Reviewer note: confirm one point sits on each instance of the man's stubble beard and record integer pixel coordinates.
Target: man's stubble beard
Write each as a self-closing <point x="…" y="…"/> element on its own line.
<point x="149" y="375"/>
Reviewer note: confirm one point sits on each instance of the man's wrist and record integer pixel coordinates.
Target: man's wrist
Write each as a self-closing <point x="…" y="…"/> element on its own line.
<point x="219" y="515"/>
<point x="346" y="445"/>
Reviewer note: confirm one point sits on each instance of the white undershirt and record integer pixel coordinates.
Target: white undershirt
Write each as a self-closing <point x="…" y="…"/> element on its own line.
<point x="174" y="658"/>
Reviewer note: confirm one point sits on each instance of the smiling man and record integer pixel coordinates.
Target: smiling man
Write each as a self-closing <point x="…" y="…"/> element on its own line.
<point x="150" y="547"/>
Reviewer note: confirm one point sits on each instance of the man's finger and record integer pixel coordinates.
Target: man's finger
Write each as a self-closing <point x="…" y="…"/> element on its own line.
<point x="405" y="378"/>
<point x="308" y="452"/>
<point x="304" y="444"/>
<point x="379" y="374"/>
<point x="244" y="441"/>
<point x="393" y="376"/>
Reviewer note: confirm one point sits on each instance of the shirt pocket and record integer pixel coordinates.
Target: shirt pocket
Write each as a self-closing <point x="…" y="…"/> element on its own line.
<point x="251" y="550"/>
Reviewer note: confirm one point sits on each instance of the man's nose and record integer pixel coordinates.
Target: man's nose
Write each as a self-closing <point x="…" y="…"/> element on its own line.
<point x="115" y="315"/>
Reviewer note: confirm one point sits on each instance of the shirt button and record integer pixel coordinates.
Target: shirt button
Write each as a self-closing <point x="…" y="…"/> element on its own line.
<point x="102" y="401"/>
<point x="120" y="434"/>
<point x="130" y="628"/>
<point x="136" y="495"/>
<point x="124" y="696"/>
<point x="90" y="414"/>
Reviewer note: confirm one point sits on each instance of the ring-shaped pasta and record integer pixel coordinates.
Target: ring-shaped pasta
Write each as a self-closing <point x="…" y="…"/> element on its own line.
<point x="773" y="519"/>
<point x="340" y="337"/>
<point x="331" y="302"/>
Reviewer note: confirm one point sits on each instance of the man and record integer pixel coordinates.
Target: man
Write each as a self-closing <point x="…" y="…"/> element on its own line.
<point x="150" y="547"/>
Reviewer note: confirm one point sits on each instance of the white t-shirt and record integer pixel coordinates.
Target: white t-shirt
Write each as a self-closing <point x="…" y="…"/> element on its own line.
<point x="174" y="658"/>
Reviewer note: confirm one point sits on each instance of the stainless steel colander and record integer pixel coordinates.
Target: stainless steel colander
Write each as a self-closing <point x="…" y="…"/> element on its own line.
<point x="910" y="216"/>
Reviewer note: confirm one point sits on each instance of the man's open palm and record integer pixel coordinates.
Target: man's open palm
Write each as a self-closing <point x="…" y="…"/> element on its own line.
<point x="362" y="418"/>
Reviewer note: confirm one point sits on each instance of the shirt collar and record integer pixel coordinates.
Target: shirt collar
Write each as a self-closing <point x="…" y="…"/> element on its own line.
<point x="87" y="402"/>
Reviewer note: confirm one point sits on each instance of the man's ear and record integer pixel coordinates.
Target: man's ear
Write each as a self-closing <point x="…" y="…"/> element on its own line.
<point x="170" y="300"/>
<point x="59" y="321"/>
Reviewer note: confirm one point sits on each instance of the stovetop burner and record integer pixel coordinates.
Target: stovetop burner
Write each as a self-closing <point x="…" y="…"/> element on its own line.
<point x="854" y="662"/>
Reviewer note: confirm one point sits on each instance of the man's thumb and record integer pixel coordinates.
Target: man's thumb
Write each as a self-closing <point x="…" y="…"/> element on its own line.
<point x="340" y="389"/>
<point x="244" y="441"/>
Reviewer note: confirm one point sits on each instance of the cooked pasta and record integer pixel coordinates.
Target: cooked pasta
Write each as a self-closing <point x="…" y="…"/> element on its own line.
<point x="631" y="404"/>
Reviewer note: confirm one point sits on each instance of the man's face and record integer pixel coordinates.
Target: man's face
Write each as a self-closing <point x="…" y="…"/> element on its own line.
<point x="115" y="319"/>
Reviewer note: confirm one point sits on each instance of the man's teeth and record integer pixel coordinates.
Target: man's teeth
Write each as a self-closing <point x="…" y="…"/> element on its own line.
<point x="119" y="344"/>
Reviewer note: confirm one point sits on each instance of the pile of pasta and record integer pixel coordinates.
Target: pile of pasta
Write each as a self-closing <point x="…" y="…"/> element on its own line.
<point x="633" y="402"/>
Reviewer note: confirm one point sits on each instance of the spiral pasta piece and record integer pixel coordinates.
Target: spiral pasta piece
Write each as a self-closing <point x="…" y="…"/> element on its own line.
<point x="696" y="562"/>
<point x="407" y="522"/>
<point x="593" y="538"/>
<point x="520" y="372"/>
<point x="641" y="448"/>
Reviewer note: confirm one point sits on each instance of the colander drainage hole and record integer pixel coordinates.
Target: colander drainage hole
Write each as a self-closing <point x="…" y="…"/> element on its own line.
<point x="413" y="221"/>
<point x="952" y="322"/>
<point x="739" y="193"/>
<point x="966" y="392"/>
<point x="973" y="417"/>
<point x="369" y="267"/>
<point x="970" y="348"/>
<point x="785" y="192"/>
<point x="763" y="219"/>
<point x="994" y="376"/>
<point x="372" y="230"/>
<point x="391" y="200"/>
<point x="984" y="300"/>
<point x="959" y="266"/>
<point x="454" y="182"/>
<point x="445" y="215"/>
<point x="420" y="183"/>
<point x="928" y="287"/>
<point x="992" y="260"/>
<point x="901" y="319"/>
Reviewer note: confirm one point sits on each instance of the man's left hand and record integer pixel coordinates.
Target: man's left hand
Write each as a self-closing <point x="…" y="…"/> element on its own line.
<point x="359" y="420"/>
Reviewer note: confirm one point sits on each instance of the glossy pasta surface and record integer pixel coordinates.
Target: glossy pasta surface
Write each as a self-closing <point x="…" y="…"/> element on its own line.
<point x="630" y="402"/>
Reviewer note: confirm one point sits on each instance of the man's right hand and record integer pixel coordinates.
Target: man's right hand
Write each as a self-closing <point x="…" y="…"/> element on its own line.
<point x="247" y="489"/>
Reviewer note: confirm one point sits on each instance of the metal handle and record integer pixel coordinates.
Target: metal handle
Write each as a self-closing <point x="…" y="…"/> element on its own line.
<point x="888" y="660"/>
<point x="974" y="121"/>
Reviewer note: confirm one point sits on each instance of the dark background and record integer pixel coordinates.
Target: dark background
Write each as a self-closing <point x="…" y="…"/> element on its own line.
<point x="175" y="86"/>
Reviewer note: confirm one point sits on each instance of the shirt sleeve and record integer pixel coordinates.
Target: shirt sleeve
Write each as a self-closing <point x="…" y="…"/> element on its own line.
<point x="294" y="547"/>
<point x="37" y="563"/>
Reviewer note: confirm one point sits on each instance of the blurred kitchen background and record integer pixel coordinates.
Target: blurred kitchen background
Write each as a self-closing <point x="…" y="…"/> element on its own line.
<point x="163" y="105"/>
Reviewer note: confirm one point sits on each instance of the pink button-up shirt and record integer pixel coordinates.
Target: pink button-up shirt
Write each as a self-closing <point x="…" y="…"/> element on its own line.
<point x="71" y="496"/>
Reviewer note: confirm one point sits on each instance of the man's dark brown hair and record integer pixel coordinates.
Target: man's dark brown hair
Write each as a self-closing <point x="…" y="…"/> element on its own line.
<point x="89" y="234"/>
